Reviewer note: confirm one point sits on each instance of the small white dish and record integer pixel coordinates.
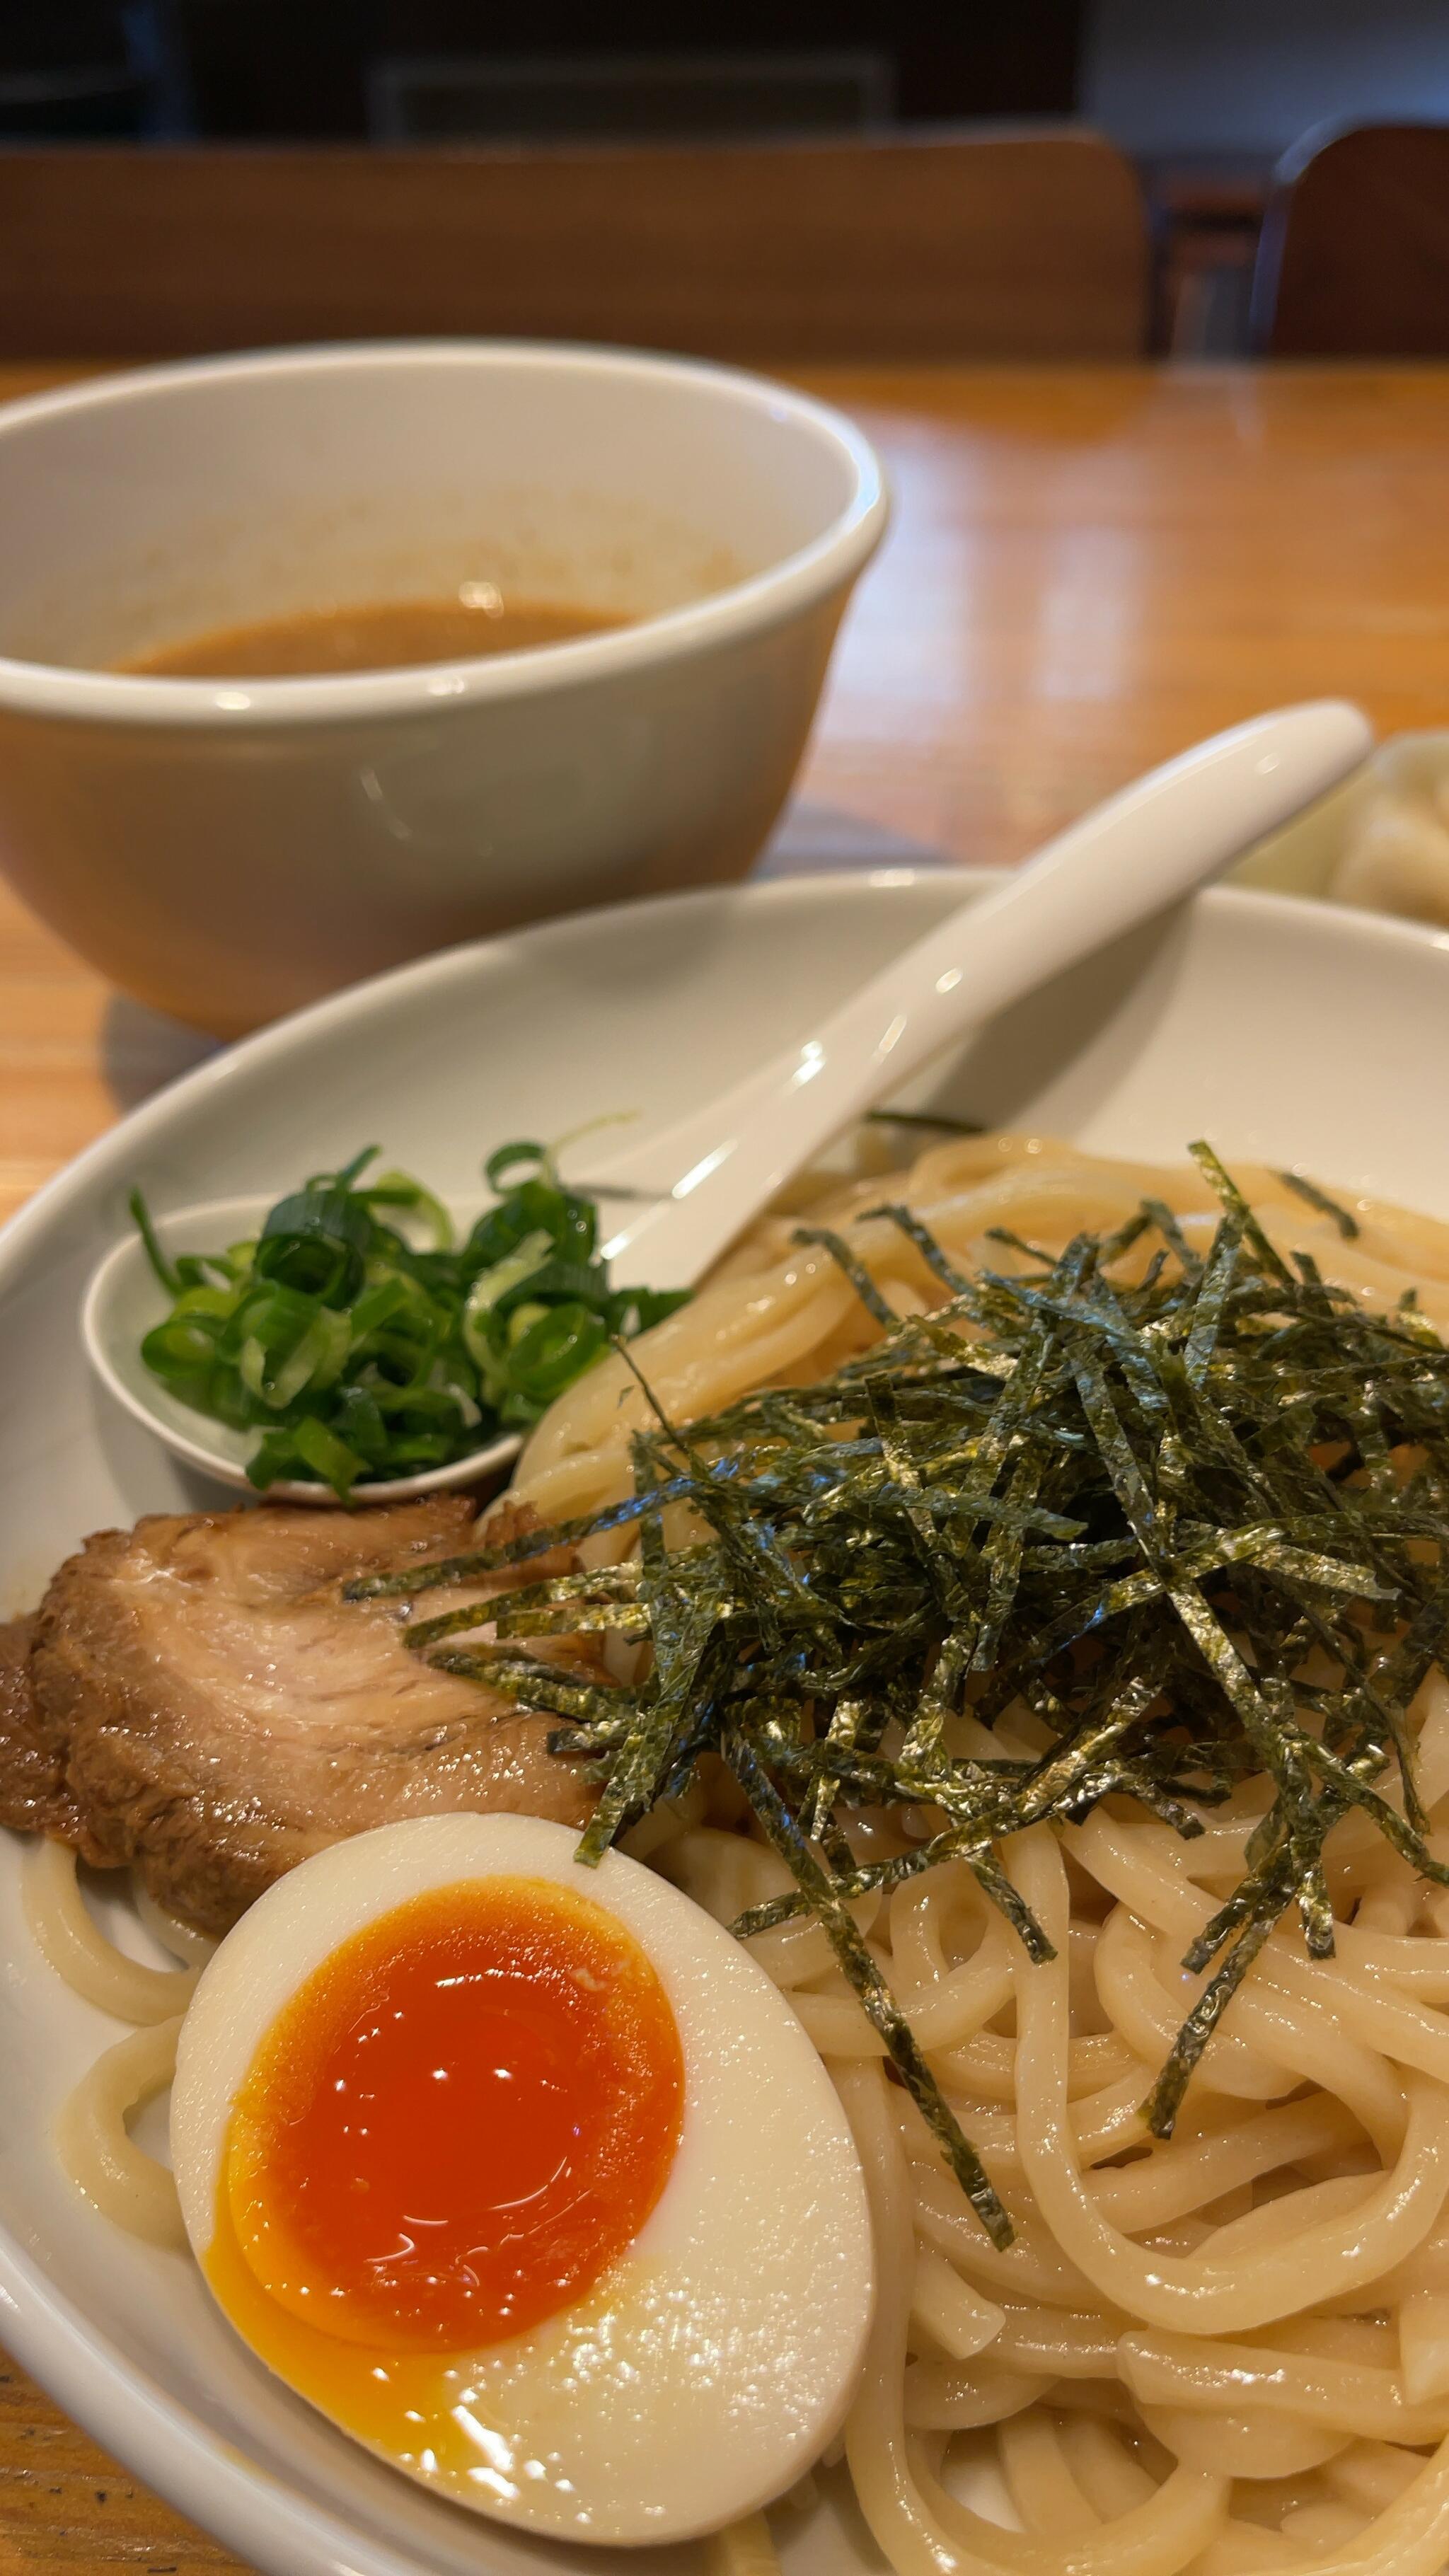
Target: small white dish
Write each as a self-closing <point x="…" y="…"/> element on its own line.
<point x="1379" y="842"/>
<point x="123" y="1302"/>
<point x="1289" y="1033"/>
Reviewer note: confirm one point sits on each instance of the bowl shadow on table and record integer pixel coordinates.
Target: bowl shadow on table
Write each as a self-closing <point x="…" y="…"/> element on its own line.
<point x="142" y="1050"/>
<point x="814" y="839"/>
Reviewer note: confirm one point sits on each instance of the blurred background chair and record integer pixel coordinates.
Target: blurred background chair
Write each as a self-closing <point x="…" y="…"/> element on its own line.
<point x="1354" y="256"/>
<point x="1207" y="96"/>
<point x="992" y="245"/>
<point x="1203" y="97"/>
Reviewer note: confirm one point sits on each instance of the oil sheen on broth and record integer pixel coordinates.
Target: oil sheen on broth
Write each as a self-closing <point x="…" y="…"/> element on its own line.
<point x="371" y="635"/>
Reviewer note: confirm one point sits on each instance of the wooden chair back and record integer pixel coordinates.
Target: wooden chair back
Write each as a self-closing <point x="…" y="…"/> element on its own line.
<point x="962" y="245"/>
<point x="1354" y="256"/>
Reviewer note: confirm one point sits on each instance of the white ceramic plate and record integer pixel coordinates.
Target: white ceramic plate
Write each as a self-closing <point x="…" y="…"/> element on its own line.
<point x="1284" y="1033"/>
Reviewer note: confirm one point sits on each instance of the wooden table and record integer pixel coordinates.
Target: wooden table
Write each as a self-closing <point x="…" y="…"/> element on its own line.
<point x="1089" y="569"/>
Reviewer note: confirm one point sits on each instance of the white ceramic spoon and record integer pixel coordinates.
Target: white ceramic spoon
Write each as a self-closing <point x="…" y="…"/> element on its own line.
<point x="1130" y="858"/>
<point x="703" y="1179"/>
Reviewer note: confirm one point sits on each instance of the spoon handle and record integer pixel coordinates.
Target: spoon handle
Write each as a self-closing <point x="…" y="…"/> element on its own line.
<point x="1145" y="848"/>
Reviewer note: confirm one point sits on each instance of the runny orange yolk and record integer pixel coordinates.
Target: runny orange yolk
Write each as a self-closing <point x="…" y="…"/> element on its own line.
<point x="458" y="2123"/>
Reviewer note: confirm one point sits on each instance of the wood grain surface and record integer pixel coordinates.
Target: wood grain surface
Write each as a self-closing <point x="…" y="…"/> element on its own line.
<point x="1089" y="569"/>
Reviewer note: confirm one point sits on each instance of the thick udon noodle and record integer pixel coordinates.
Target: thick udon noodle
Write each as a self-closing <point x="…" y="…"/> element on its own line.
<point x="92" y="2133"/>
<point x="1224" y="2353"/>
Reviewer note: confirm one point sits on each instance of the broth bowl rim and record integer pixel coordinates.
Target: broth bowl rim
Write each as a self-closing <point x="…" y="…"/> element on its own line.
<point x="795" y="583"/>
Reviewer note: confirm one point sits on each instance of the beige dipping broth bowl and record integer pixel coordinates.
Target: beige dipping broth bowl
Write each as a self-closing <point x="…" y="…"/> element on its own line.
<point x="227" y="849"/>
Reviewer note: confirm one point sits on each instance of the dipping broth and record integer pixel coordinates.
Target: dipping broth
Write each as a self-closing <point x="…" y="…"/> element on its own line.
<point x="377" y="635"/>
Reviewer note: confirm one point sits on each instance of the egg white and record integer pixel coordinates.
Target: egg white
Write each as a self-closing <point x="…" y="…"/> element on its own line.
<point x="716" y="2359"/>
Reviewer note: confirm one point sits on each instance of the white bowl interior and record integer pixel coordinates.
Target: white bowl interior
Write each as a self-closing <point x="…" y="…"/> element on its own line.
<point x="1290" y="1035"/>
<point x="153" y="507"/>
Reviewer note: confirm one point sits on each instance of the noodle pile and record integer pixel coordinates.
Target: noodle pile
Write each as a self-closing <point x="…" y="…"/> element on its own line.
<point x="1221" y="2353"/>
<point x="1225" y="2353"/>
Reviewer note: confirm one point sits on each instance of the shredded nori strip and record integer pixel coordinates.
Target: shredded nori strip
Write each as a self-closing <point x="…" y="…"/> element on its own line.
<point x="1132" y="1497"/>
<point x="1347" y="1225"/>
<point x="930" y="1122"/>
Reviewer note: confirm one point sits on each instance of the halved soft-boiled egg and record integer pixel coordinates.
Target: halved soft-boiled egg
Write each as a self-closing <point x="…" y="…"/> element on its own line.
<point x="526" y="2176"/>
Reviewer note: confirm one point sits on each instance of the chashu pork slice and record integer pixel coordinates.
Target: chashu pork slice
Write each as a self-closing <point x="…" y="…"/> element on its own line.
<point x="196" y="1696"/>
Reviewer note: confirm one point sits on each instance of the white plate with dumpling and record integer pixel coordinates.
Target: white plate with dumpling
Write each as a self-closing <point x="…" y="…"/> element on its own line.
<point x="1379" y="842"/>
<point x="1291" y="1036"/>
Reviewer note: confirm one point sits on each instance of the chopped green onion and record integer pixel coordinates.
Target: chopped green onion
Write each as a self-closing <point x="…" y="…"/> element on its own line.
<point x="361" y="1342"/>
<point x="320" y="1453"/>
<point x="141" y="1217"/>
<point x="495" y="1283"/>
<point x="520" y="1156"/>
<point x="397" y="1190"/>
